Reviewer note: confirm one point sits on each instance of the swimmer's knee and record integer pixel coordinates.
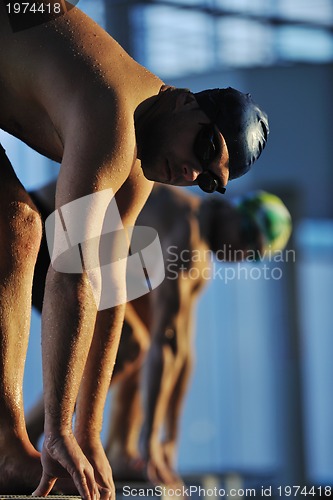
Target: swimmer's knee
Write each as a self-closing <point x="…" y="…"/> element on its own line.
<point x="21" y="231"/>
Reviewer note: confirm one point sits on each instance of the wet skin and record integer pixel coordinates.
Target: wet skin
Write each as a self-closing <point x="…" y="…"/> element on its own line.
<point x="69" y="91"/>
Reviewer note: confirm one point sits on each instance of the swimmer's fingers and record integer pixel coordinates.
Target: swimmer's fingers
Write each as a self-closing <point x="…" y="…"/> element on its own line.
<point x="62" y="456"/>
<point x="45" y="486"/>
<point x="85" y="482"/>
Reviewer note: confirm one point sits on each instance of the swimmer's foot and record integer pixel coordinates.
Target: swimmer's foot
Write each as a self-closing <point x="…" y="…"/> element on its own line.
<point x="20" y="469"/>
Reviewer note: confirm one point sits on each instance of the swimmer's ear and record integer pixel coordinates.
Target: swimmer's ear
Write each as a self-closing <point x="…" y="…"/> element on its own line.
<point x="185" y="100"/>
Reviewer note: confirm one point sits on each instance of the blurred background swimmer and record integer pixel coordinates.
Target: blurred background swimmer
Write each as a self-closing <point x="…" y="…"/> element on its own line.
<point x="155" y="356"/>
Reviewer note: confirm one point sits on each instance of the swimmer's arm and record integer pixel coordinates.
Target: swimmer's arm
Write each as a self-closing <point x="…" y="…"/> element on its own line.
<point x="102" y="355"/>
<point x="175" y="406"/>
<point x="165" y="362"/>
<point x="69" y="312"/>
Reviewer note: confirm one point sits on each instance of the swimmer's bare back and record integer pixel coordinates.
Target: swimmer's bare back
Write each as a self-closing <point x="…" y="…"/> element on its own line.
<point x="60" y="71"/>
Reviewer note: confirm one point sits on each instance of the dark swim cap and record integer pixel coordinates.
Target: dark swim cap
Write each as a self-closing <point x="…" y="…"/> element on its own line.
<point x="241" y="122"/>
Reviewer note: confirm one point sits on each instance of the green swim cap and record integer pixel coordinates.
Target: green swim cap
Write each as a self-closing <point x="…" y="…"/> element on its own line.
<point x="270" y="215"/>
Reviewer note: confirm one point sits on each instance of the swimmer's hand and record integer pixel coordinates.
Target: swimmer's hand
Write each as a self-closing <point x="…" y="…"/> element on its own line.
<point x="159" y="465"/>
<point x="94" y="451"/>
<point x="62" y="457"/>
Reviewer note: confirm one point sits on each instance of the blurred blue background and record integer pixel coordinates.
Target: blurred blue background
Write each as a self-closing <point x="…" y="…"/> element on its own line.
<point x="261" y="399"/>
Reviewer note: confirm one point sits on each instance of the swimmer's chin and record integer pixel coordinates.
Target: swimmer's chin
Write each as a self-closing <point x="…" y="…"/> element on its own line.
<point x="153" y="176"/>
<point x="156" y="179"/>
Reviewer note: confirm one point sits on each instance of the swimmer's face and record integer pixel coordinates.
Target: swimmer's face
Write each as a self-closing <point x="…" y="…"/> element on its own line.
<point x="230" y="235"/>
<point x="181" y="143"/>
<point x="225" y="227"/>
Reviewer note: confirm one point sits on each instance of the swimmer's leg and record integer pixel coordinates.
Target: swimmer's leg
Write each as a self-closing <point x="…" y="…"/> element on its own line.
<point x="126" y="414"/>
<point x="20" y="233"/>
<point x="125" y="423"/>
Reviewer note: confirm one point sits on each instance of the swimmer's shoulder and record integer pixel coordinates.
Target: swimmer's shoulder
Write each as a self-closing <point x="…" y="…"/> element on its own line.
<point x="73" y="54"/>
